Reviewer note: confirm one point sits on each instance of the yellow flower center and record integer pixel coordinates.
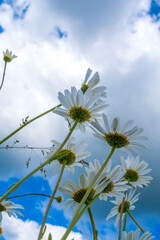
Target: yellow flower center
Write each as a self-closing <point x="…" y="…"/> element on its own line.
<point x="131" y="175"/>
<point x="116" y="140"/>
<point x="84" y="87"/>
<point x="109" y="187"/>
<point x="125" y="208"/>
<point x="79" y="114"/>
<point x="79" y="194"/>
<point x="0" y="230"/>
<point x="2" y="208"/>
<point x="69" y="158"/>
<point x="7" y="58"/>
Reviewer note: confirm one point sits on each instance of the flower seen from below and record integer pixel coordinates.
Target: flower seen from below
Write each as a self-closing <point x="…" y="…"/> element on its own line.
<point x="75" y="154"/>
<point x="136" y="171"/>
<point x="136" y="235"/>
<point x="127" y="139"/>
<point x="8" y="56"/>
<point x="77" y="193"/>
<point x="116" y="185"/>
<point x="79" y="107"/>
<point x="128" y="205"/>
<point x="8" y="207"/>
<point x="92" y="82"/>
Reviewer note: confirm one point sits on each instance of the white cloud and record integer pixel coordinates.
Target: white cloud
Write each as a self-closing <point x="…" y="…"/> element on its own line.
<point x="17" y="229"/>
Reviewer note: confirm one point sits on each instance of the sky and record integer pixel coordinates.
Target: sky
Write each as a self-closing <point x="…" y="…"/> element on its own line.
<point x="56" y="42"/>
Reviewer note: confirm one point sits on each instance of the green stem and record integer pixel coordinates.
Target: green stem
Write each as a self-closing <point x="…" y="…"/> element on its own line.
<point x="4" y="71"/>
<point x="86" y="194"/>
<point x="80" y="215"/>
<point x="50" y="202"/>
<point x="121" y="213"/>
<point x="93" y="224"/>
<point x="29" y="194"/>
<point x="16" y="185"/>
<point x="135" y="221"/>
<point x="28" y="122"/>
<point x="124" y="224"/>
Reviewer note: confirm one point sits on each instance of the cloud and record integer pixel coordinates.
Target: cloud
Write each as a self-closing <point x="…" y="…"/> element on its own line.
<point x="119" y="39"/>
<point x="17" y="229"/>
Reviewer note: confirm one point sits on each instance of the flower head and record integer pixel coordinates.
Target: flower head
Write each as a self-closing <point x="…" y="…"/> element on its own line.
<point x="128" y="205"/>
<point x="135" y="235"/>
<point x="91" y="83"/>
<point x="115" y="184"/>
<point x="75" y="154"/>
<point x="136" y="171"/>
<point x="126" y="139"/>
<point x="8" y="56"/>
<point x="8" y="207"/>
<point x="79" y="107"/>
<point x="77" y="193"/>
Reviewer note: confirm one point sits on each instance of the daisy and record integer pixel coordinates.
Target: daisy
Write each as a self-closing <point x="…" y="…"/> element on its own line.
<point x="128" y="205"/>
<point x="79" y="107"/>
<point x="91" y="83"/>
<point x="76" y="192"/>
<point x="135" y="235"/>
<point x="113" y="178"/>
<point x="75" y="154"/>
<point x="136" y="171"/>
<point x="127" y="139"/>
<point x="8" y="56"/>
<point x="8" y="207"/>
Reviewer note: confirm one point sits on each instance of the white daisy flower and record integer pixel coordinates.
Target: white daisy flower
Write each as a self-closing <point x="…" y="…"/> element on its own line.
<point x="130" y="199"/>
<point x="77" y="193"/>
<point x="8" y="56"/>
<point x="92" y="82"/>
<point x="136" y="171"/>
<point x="80" y="107"/>
<point x="127" y="139"/>
<point x="75" y="154"/>
<point x="136" y="235"/>
<point x="116" y="185"/>
<point x="8" y="207"/>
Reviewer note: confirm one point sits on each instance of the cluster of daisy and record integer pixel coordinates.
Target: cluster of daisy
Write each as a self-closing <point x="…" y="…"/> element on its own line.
<point x="84" y="108"/>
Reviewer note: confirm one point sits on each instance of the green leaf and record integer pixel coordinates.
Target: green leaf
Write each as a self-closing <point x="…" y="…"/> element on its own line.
<point x="50" y="237"/>
<point x="45" y="227"/>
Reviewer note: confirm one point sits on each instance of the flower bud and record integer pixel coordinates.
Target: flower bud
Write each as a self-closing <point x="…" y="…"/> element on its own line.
<point x="59" y="198"/>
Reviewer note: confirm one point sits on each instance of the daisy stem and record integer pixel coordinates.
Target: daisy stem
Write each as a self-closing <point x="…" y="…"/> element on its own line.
<point x="69" y="229"/>
<point x="125" y="220"/>
<point x="4" y="71"/>
<point x="40" y="236"/>
<point x="48" y="161"/>
<point x="28" y="122"/>
<point x="135" y="221"/>
<point x="29" y="194"/>
<point x="121" y="213"/>
<point x="86" y="195"/>
<point x="93" y="224"/>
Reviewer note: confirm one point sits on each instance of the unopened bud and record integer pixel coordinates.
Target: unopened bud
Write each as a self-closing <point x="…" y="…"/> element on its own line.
<point x="59" y="198"/>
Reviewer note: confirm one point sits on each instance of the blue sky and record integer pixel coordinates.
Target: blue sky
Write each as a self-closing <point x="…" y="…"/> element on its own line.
<point x="56" y="42"/>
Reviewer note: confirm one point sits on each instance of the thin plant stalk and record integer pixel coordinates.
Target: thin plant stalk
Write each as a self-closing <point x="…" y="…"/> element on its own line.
<point x="86" y="194"/>
<point x="142" y="230"/>
<point x="48" y="161"/>
<point x="50" y="202"/>
<point x="26" y="123"/>
<point x="29" y="194"/>
<point x="124" y="224"/>
<point x="4" y="71"/>
<point x="121" y="213"/>
<point x="80" y="215"/>
<point x="93" y="224"/>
